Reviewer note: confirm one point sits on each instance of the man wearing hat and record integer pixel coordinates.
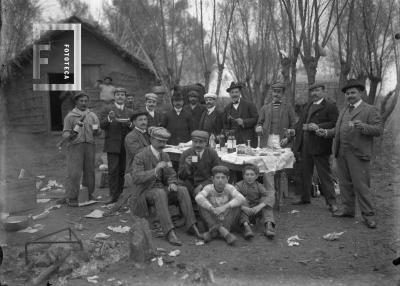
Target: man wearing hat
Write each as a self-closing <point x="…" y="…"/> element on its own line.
<point x="155" y="116"/>
<point x="80" y="127"/>
<point x="196" y="163"/>
<point x="211" y="119"/>
<point x="194" y="108"/>
<point x="220" y="204"/>
<point x="315" y="150"/>
<point x="154" y="181"/>
<point x="115" y="120"/>
<point x="138" y="138"/>
<point x="178" y="121"/>
<point x="241" y="116"/>
<point x="355" y="129"/>
<point x="130" y="100"/>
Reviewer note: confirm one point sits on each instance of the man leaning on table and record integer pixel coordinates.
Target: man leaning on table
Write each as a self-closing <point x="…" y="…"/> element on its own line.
<point x="196" y="163"/>
<point x="355" y="129"/>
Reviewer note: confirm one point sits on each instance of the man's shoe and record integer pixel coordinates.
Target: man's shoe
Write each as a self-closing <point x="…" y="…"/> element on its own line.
<point x="269" y="230"/>
<point x="173" y="239"/>
<point x="370" y="223"/>
<point x="333" y="208"/>
<point x="207" y="237"/>
<point x="112" y="201"/>
<point x="300" y="202"/>
<point x="230" y="238"/>
<point x="340" y="213"/>
<point x="248" y="233"/>
<point x="196" y="231"/>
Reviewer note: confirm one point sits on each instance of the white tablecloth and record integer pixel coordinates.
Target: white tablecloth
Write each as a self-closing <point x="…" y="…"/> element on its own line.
<point x="273" y="161"/>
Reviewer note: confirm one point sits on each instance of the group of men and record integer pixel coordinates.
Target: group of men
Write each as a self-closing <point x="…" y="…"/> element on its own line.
<point x="135" y="139"/>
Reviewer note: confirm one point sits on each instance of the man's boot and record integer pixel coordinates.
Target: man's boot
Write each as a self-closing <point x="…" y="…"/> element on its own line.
<point x="247" y="232"/>
<point x="173" y="239"/>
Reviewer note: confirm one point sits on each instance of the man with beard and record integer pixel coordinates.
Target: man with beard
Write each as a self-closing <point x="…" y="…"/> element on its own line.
<point x="80" y="127"/>
<point x="194" y="108"/>
<point x="196" y="163"/>
<point x="178" y="121"/>
<point x="115" y="120"/>
<point x="138" y="138"/>
<point x="354" y="132"/>
<point x="241" y="116"/>
<point x="211" y="119"/>
<point x="155" y="116"/>
<point x="155" y="182"/>
<point x="315" y="150"/>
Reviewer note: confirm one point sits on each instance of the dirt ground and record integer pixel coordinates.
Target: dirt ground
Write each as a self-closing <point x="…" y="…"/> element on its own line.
<point x="360" y="257"/>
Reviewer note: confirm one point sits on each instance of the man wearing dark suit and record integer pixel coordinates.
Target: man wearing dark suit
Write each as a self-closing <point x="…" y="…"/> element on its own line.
<point x="196" y="163"/>
<point x="115" y="120"/>
<point x="155" y="181"/>
<point x="241" y="116"/>
<point x="355" y="129"/>
<point x="313" y="149"/>
<point x="155" y="116"/>
<point x="178" y="121"/>
<point x="211" y="119"/>
<point x="138" y="138"/>
<point x="194" y="108"/>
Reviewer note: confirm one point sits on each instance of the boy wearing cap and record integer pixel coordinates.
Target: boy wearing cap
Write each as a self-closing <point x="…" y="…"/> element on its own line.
<point x="259" y="202"/>
<point x="194" y="108"/>
<point x="315" y="150"/>
<point x="354" y="132"/>
<point x="211" y="119"/>
<point x="155" y="116"/>
<point x="178" y="121"/>
<point x="154" y="180"/>
<point x="80" y="127"/>
<point x="241" y="116"/>
<point x="115" y="121"/>
<point x="195" y="164"/>
<point x="220" y="206"/>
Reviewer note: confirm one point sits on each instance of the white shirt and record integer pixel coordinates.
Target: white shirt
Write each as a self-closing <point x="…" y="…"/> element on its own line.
<point x="155" y="152"/>
<point x="150" y="112"/>
<point x="178" y="111"/>
<point x="200" y="154"/>
<point x="319" y="101"/>
<point x="140" y="130"/>
<point x="106" y="92"/>
<point x="236" y="105"/>
<point x="210" y="110"/>
<point x="357" y="104"/>
<point x="119" y="106"/>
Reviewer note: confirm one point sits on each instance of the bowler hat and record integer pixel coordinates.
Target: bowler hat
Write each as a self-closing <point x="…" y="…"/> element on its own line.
<point x="316" y="85"/>
<point x="353" y="83"/>
<point x="177" y="96"/>
<point x="193" y="93"/>
<point x="234" y="85"/>
<point x="277" y="85"/>
<point x="199" y="134"/>
<point x="220" y="169"/>
<point x="138" y="112"/>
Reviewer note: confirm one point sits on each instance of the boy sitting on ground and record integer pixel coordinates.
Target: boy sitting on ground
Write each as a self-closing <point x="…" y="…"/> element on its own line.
<point x="219" y="205"/>
<point x="259" y="202"/>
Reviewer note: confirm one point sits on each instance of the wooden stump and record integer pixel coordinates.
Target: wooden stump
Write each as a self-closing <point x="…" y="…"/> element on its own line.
<point x="141" y="244"/>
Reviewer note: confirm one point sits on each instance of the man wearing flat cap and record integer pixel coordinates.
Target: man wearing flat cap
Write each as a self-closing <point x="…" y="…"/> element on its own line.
<point x="138" y="138"/>
<point x="80" y="127"/>
<point x="355" y="129"/>
<point x="155" y="182"/>
<point x="219" y="205"/>
<point x="196" y="163"/>
<point x="241" y="116"/>
<point x="211" y="119"/>
<point x="178" y="121"/>
<point x="155" y="116"/>
<point x="115" y="121"/>
<point x="315" y="150"/>
<point x="194" y="108"/>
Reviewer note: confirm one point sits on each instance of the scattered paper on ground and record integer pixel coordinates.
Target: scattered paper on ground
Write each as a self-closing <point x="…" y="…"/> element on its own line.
<point x="199" y="242"/>
<point x="91" y="202"/>
<point x="174" y="253"/>
<point x="222" y="262"/>
<point x="32" y="229"/>
<point x="160" y="261"/>
<point x="42" y="201"/>
<point x="119" y="229"/>
<point x="294" y="211"/>
<point x="294" y="240"/>
<point x="333" y="236"/>
<point x="93" y="279"/>
<point x="95" y="214"/>
<point x="101" y="235"/>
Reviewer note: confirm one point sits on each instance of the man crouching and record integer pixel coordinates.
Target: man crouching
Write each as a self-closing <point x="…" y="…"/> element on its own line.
<point x="220" y="205"/>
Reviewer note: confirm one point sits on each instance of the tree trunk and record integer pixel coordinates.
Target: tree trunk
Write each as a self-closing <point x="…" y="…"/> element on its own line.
<point x="344" y="72"/>
<point x="207" y="75"/>
<point x="374" y="82"/>
<point x="311" y="64"/>
<point x="219" y="78"/>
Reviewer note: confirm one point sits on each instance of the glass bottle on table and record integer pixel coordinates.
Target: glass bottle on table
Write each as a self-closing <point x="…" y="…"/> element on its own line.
<point x="221" y="140"/>
<point x="231" y="142"/>
<point x="211" y="141"/>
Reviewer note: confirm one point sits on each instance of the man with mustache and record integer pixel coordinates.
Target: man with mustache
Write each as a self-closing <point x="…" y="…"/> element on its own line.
<point x="194" y="108"/>
<point x="241" y="116"/>
<point x="211" y="119"/>
<point x="155" y="116"/>
<point x="155" y="182"/>
<point x="355" y="129"/>
<point x="316" y="150"/>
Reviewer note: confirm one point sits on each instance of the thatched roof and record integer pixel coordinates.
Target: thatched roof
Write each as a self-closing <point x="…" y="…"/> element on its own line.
<point x="94" y="28"/>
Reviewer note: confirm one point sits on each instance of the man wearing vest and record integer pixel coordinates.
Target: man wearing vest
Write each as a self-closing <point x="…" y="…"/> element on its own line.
<point x="211" y="119"/>
<point x="315" y="150"/>
<point x="355" y="129"/>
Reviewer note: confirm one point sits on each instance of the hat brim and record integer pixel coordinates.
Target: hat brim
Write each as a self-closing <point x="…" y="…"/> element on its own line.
<point x="316" y="86"/>
<point x="136" y="115"/>
<point x="360" y="86"/>
<point x="233" y="87"/>
<point x="160" y="138"/>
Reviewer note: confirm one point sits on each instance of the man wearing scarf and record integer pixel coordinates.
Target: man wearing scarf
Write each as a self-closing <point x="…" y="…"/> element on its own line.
<point x="80" y="127"/>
